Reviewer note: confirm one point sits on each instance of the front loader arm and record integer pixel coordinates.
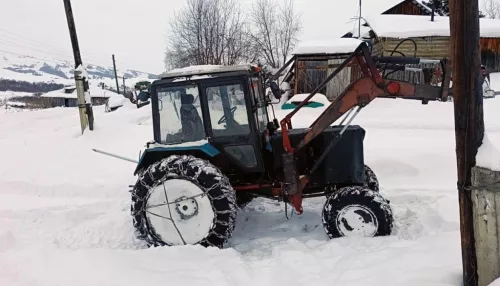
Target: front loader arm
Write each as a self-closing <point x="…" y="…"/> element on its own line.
<point x="362" y="91"/>
<point x="358" y="94"/>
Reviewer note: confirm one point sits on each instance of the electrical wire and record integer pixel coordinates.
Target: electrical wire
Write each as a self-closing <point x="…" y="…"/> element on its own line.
<point x="395" y="50"/>
<point x="44" y="45"/>
<point x="17" y="41"/>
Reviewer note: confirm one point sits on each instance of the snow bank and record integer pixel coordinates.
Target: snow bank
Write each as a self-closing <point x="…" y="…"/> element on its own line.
<point x="405" y="26"/>
<point x="335" y="46"/>
<point x="495" y="283"/>
<point x="488" y="155"/>
<point x="495" y="81"/>
<point x="116" y="101"/>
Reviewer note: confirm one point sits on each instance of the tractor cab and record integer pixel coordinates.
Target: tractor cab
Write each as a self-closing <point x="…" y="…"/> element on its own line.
<point x="218" y="113"/>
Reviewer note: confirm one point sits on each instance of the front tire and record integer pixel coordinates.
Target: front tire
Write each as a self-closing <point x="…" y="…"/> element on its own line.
<point x="183" y="200"/>
<point x="371" y="180"/>
<point x="357" y="211"/>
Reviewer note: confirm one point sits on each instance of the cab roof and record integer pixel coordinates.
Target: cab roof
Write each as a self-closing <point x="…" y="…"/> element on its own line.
<point x="203" y="70"/>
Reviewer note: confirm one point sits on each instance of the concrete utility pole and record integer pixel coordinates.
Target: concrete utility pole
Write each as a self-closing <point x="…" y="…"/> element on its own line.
<point x="84" y="104"/>
<point x="116" y="76"/>
<point x="359" y="20"/>
<point x="124" y="89"/>
<point x="469" y="122"/>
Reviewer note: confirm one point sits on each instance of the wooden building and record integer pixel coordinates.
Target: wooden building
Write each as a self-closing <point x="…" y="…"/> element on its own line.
<point x="428" y="39"/>
<point x="314" y="62"/>
<point x="406" y="23"/>
<point x="388" y="28"/>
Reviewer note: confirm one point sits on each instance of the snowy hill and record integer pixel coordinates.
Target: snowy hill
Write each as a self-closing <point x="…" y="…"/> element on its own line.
<point x="40" y="70"/>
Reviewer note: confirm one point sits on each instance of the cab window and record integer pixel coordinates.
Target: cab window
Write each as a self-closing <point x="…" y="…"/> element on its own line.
<point x="228" y="110"/>
<point x="261" y="111"/>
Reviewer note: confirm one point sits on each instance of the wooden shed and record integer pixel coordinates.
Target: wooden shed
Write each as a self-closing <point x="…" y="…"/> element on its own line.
<point x="432" y="38"/>
<point x="314" y="62"/>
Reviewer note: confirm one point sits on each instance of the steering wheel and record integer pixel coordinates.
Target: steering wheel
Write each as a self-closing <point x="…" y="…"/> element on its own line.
<point x="223" y="118"/>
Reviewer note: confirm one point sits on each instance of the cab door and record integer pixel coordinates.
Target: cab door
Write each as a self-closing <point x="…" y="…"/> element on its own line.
<point x="231" y="124"/>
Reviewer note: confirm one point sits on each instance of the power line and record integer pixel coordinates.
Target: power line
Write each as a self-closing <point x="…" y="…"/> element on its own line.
<point x="63" y="56"/>
<point x="7" y="52"/>
<point x="48" y="45"/>
<point x="60" y="56"/>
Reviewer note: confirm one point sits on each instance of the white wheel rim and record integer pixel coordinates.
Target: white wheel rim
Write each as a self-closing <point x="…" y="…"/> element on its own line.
<point x="356" y="220"/>
<point x="179" y="212"/>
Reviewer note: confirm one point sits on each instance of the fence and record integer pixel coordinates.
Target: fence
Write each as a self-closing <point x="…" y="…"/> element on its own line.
<point x="38" y="102"/>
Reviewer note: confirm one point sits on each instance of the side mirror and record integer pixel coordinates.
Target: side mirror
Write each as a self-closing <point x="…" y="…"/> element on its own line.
<point x="275" y="89"/>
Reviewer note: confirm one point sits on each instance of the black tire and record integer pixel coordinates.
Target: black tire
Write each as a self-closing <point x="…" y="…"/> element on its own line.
<point x="243" y="199"/>
<point x="203" y="174"/>
<point x="364" y="201"/>
<point x="371" y="180"/>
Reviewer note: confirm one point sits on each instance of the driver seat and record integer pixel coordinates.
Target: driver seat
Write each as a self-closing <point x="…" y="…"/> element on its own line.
<point x="192" y="125"/>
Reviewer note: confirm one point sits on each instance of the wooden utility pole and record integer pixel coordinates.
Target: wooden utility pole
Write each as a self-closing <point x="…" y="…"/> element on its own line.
<point x="84" y="104"/>
<point x="469" y="122"/>
<point x="116" y="76"/>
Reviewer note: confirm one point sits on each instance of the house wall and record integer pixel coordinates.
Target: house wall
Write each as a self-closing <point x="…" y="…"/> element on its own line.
<point x="439" y="47"/>
<point x="340" y="82"/>
<point x="311" y="71"/>
<point x="431" y="47"/>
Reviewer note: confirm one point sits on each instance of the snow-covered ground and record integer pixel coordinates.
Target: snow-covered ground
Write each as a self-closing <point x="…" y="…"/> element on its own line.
<point x="64" y="210"/>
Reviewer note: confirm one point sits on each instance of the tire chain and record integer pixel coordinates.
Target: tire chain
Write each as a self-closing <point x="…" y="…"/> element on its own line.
<point x="189" y="168"/>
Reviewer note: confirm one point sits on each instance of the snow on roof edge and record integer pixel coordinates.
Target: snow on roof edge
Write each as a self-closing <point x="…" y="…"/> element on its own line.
<point x="335" y="46"/>
<point x="421" y="3"/>
<point x="421" y="26"/>
<point x="203" y="69"/>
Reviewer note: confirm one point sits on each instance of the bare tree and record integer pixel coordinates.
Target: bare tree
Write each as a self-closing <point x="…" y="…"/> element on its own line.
<point x="290" y="27"/>
<point x="276" y="30"/>
<point x="209" y="32"/>
<point x="491" y="9"/>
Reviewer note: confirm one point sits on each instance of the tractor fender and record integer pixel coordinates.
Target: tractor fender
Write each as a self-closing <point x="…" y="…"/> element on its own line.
<point x="154" y="154"/>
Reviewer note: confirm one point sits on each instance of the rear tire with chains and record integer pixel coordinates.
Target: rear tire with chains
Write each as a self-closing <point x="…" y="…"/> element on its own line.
<point x="194" y="173"/>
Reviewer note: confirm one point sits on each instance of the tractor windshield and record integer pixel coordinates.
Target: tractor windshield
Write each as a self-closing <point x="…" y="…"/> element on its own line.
<point x="180" y="114"/>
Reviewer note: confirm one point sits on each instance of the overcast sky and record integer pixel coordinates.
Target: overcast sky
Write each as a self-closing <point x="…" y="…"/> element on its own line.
<point x="134" y="30"/>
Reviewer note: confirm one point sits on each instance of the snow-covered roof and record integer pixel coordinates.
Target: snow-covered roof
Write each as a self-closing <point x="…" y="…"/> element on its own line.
<point x="406" y="26"/>
<point x="204" y="69"/>
<point x="93" y="90"/>
<point x="334" y="46"/>
<point x="373" y="7"/>
<point x="422" y="6"/>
